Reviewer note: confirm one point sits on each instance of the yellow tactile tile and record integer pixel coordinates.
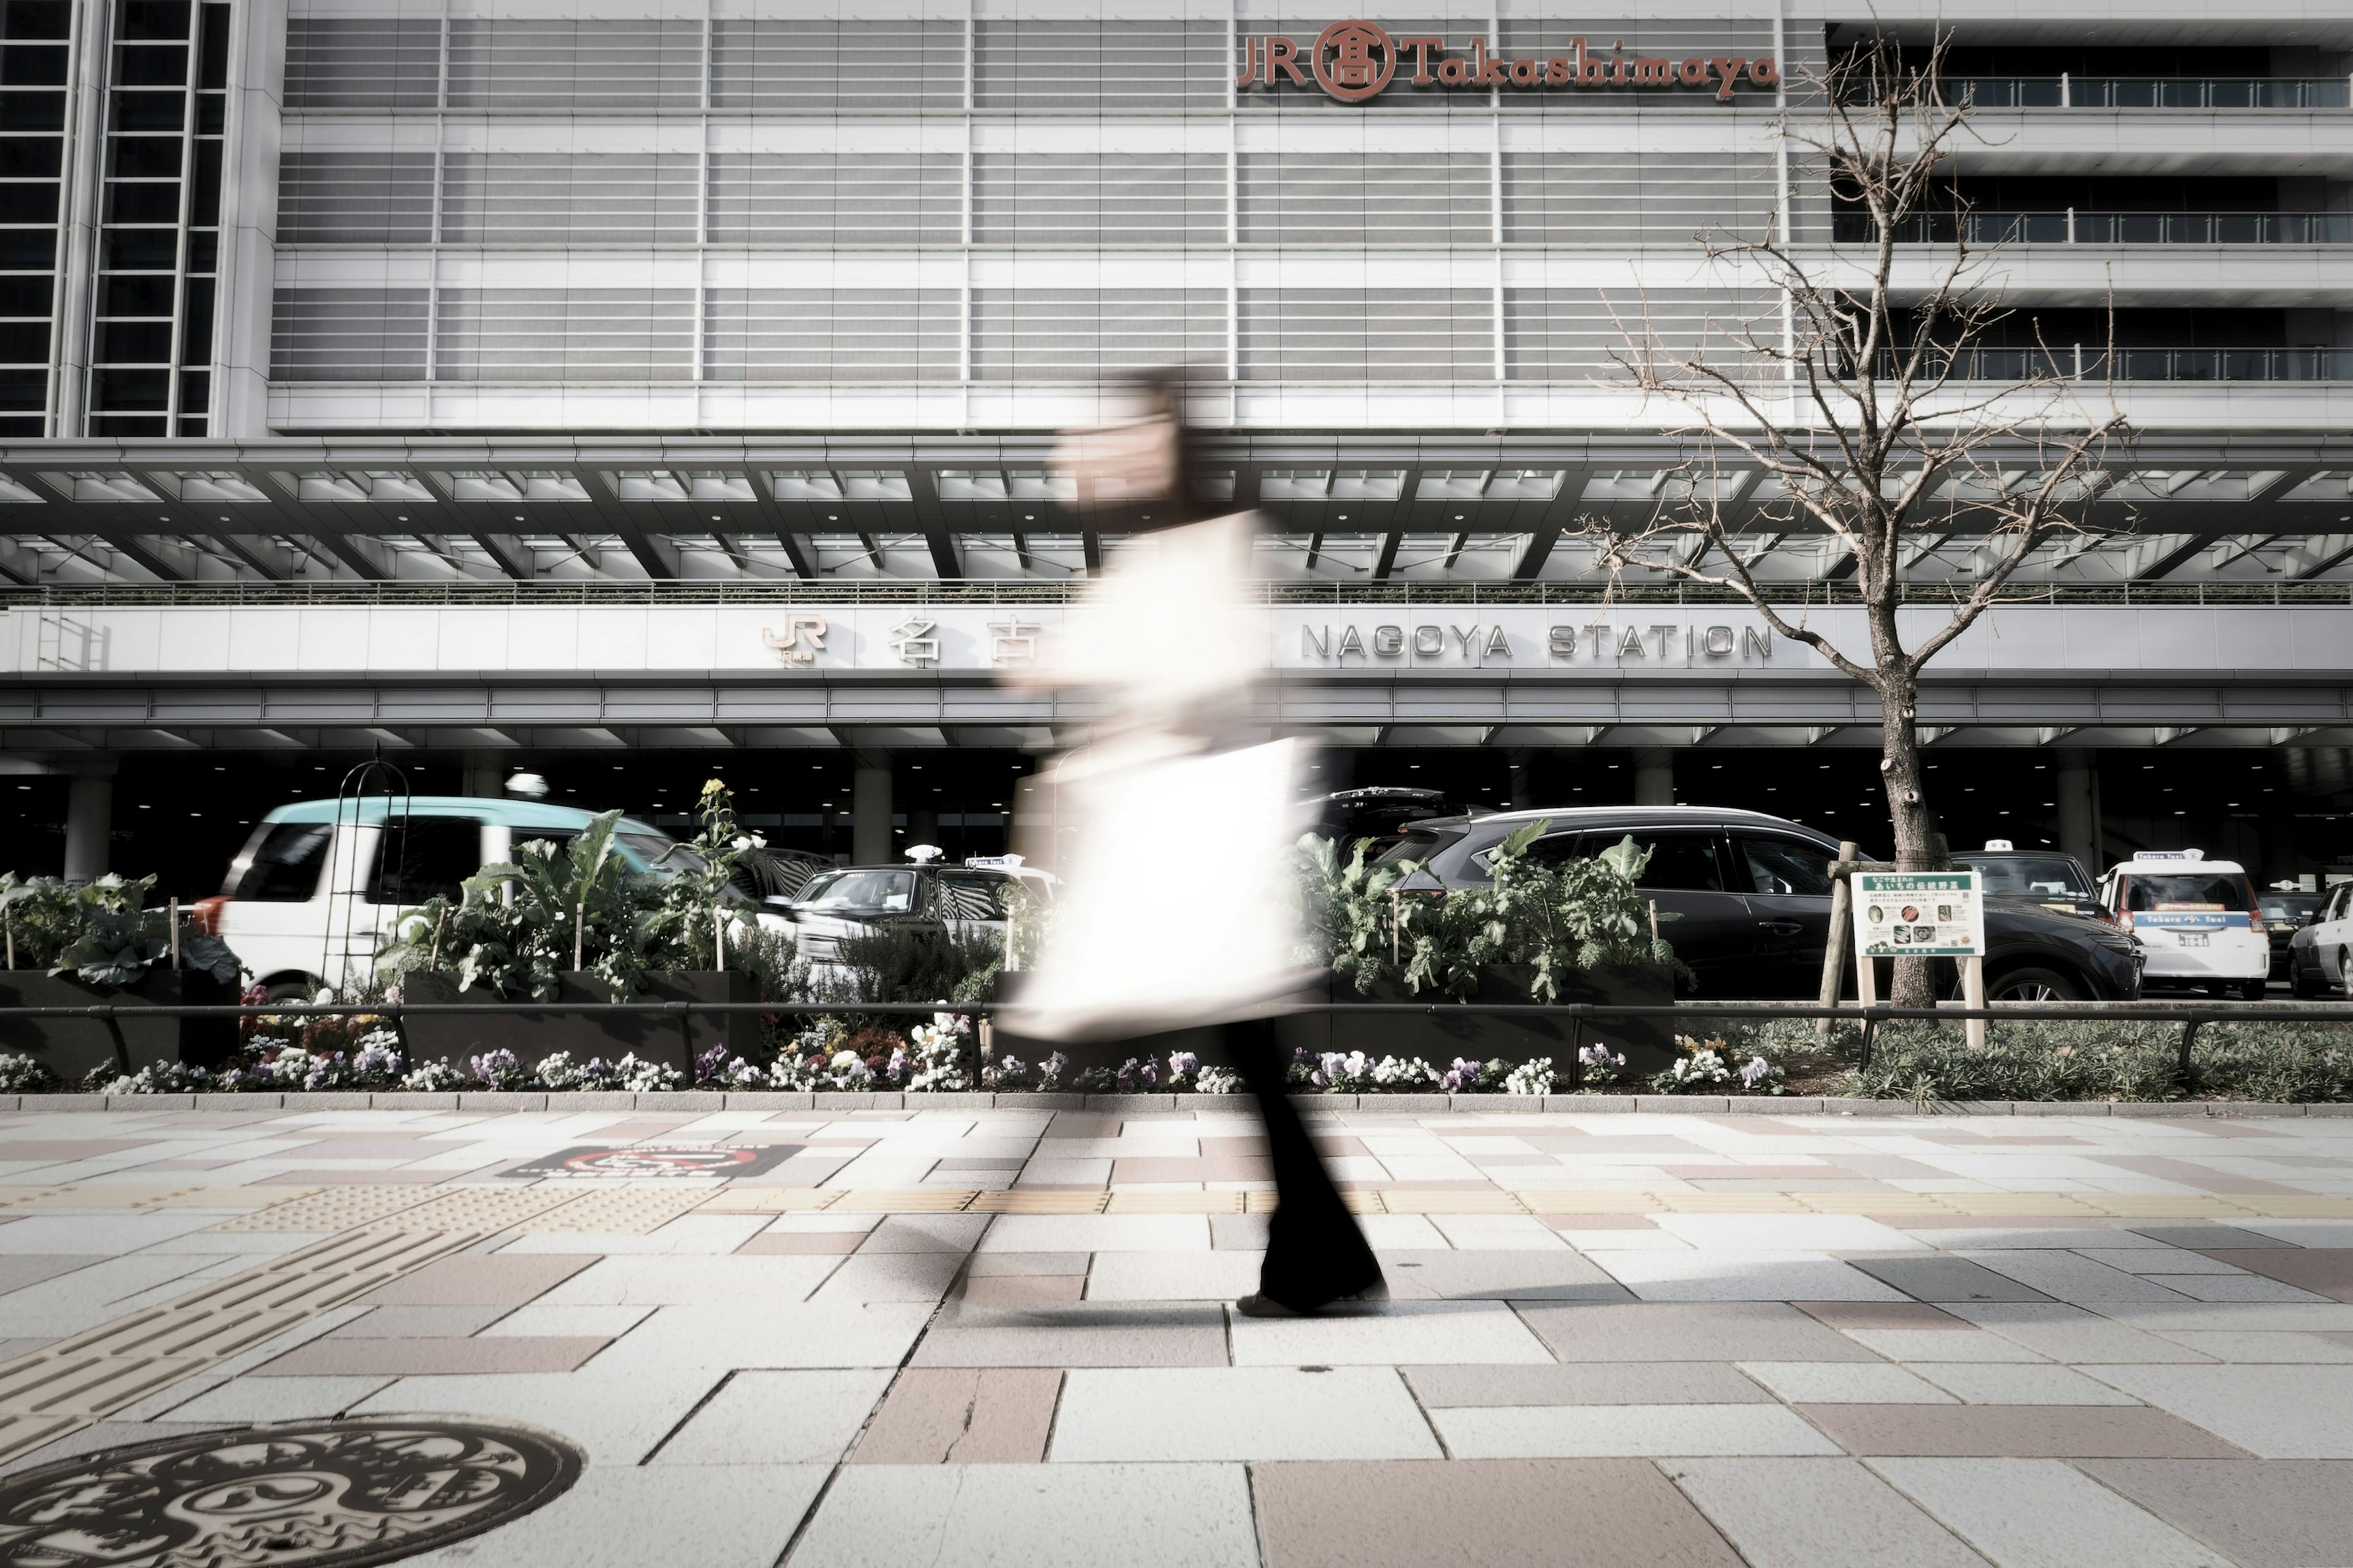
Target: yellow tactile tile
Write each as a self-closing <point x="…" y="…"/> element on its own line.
<point x="2298" y="1206"/>
<point x="909" y="1200"/>
<point x="2018" y="1205"/>
<point x="2165" y="1205"/>
<point x="1178" y="1202"/>
<point x="1405" y="1201"/>
<point x="1016" y="1200"/>
<point x="333" y="1208"/>
<point x="615" y="1211"/>
<point x="1558" y="1202"/>
<point x="1872" y="1202"/>
<point x="1730" y="1203"/>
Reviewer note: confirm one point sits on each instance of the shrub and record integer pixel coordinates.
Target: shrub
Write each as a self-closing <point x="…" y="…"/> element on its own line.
<point x="2259" y="1059"/>
<point x="101" y="932"/>
<point x="23" y="1074"/>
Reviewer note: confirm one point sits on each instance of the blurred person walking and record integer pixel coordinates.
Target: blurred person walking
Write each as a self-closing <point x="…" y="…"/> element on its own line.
<point x="1143" y="943"/>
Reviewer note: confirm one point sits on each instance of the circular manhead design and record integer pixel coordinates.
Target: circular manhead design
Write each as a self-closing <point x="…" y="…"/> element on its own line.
<point x="308" y="1494"/>
<point x="1353" y="60"/>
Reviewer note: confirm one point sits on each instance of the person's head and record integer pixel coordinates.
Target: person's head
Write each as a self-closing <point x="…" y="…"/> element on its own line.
<point x="1137" y="474"/>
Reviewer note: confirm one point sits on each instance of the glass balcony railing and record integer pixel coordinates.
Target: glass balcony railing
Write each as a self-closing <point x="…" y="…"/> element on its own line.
<point x="2092" y="362"/>
<point x="2075" y="225"/>
<point x="2150" y="93"/>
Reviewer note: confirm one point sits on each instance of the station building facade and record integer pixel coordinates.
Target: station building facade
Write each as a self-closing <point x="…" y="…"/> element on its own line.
<point x="491" y="382"/>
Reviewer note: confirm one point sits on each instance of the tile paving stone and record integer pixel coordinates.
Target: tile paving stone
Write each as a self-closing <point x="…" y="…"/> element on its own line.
<point x="1175" y="1414"/>
<point x="1977" y="1236"/>
<point x="891" y="1276"/>
<point x="2068" y="1333"/>
<point x="1498" y="1232"/>
<point x="97" y="1435"/>
<point x="419" y="1322"/>
<point x="1628" y="1431"/>
<point x="2273" y="1412"/>
<point x="1937" y="1280"/>
<point x="2324" y="1271"/>
<point x="1725" y="1275"/>
<point x="2286" y="1513"/>
<point x="1500" y="1514"/>
<point x="2158" y="1264"/>
<point x="982" y="1265"/>
<point x="686" y="1341"/>
<point x="926" y="1233"/>
<point x="1097" y="1233"/>
<point x="1902" y="1316"/>
<point x="479" y="1280"/>
<point x="697" y="1281"/>
<point x="1789" y="1231"/>
<point x="1214" y="1275"/>
<point x="2015" y="1432"/>
<point x="719" y="1515"/>
<point x="1463" y="1385"/>
<point x="96" y="1234"/>
<point x="1421" y="1332"/>
<point x="1038" y="1516"/>
<point x="2259" y="1345"/>
<point x="1843" y="1383"/>
<point x="2233" y="1287"/>
<point x="964" y="1415"/>
<point x="1817" y="1513"/>
<point x="338" y="1357"/>
<point x="806" y="1418"/>
<point x="613" y="1418"/>
<point x="806" y="1243"/>
<point x="1557" y="1276"/>
<point x="1083" y="1333"/>
<point x="246" y="1399"/>
<point x="535" y="1318"/>
<point x="2037" y="1513"/>
<point x="20" y="1270"/>
<point x="2070" y="1277"/>
<point x="1687" y="1331"/>
<point x="1984" y="1382"/>
<point x="1008" y="1288"/>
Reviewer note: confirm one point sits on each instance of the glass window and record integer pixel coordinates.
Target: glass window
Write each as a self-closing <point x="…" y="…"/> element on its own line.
<point x="1415" y="847"/>
<point x="2189" y="890"/>
<point x="421" y="857"/>
<point x="285" y="866"/>
<point x="2054" y="877"/>
<point x="1785" y="866"/>
<point x="866" y="892"/>
<point x="1681" y="862"/>
<point x="971" y="895"/>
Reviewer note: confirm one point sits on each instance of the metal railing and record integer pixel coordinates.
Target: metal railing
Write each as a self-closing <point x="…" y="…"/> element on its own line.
<point x="2079" y="225"/>
<point x="2067" y="91"/>
<point x="1580" y="1015"/>
<point x="2093" y="362"/>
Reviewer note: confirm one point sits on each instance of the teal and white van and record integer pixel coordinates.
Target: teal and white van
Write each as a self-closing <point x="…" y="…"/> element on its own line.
<point x="314" y="890"/>
<point x="2196" y="919"/>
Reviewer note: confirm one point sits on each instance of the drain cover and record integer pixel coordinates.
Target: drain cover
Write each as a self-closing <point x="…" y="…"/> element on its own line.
<point x="312" y="1493"/>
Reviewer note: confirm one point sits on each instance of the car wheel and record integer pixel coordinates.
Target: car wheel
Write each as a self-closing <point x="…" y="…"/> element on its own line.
<point x="2345" y="972"/>
<point x="2302" y="989"/>
<point x="297" y="990"/>
<point x="2034" y="985"/>
<point x="2252" y="991"/>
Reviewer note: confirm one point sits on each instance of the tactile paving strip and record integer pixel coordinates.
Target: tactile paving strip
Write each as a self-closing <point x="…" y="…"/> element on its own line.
<point x="82" y="1379"/>
<point x="333" y="1208"/>
<point x="1018" y="1200"/>
<point x="483" y="1209"/>
<point x="733" y="1199"/>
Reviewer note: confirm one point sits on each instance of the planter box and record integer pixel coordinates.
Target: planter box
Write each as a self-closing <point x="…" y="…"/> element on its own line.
<point x="1449" y="1031"/>
<point x="534" y="1035"/>
<point x="71" y="1048"/>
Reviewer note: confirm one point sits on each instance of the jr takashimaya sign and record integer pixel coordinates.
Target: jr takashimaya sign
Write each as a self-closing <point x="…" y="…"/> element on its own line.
<point x="1354" y="60"/>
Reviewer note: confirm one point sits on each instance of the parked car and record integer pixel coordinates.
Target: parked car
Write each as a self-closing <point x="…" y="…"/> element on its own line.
<point x="317" y="887"/>
<point x="1745" y="900"/>
<point x="2286" y="911"/>
<point x="2320" y="952"/>
<point x="2197" y="919"/>
<point x="1382" y="813"/>
<point x="925" y="895"/>
<point x="2035" y="876"/>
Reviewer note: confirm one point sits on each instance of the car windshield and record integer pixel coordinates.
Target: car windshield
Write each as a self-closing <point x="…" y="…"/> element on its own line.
<point x="2029" y="878"/>
<point x="884" y="892"/>
<point x="2192" y="890"/>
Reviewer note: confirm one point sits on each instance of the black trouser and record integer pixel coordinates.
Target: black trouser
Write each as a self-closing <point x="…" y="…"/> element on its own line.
<point x="1315" y="1252"/>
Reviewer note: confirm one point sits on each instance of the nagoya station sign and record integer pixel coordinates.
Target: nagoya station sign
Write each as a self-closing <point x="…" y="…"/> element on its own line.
<point x="1355" y="60"/>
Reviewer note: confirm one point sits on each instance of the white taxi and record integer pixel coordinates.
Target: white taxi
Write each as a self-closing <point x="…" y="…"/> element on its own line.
<point x="2196" y="917"/>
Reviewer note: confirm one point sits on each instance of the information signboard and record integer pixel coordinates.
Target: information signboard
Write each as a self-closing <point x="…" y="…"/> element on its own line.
<point x="1918" y="914"/>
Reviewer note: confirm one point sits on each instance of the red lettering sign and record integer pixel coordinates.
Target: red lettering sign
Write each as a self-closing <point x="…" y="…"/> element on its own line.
<point x="1353" y="60"/>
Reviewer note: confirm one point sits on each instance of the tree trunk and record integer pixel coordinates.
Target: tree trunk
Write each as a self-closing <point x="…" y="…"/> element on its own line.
<point x="1908" y="812"/>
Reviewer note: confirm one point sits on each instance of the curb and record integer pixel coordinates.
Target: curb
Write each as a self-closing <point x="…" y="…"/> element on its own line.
<point x="1146" y="1104"/>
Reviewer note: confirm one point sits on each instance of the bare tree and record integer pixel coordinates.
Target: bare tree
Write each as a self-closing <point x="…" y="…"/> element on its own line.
<point x="1862" y="395"/>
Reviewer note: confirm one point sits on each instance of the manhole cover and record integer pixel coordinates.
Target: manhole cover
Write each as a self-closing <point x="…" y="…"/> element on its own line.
<point x="642" y="1160"/>
<point x="310" y="1493"/>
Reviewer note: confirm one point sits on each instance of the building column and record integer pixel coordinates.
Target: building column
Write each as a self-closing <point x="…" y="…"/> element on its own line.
<point x="1522" y="782"/>
<point x="2079" y="809"/>
<point x="869" y="809"/>
<point x="90" y="819"/>
<point x="485" y="774"/>
<point x="1654" y="778"/>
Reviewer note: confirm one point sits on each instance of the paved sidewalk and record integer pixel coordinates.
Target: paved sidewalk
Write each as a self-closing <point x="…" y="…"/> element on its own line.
<point x="956" y="1336"/>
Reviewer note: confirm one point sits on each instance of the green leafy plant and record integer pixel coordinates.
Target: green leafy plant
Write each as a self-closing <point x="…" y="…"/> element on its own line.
<point x="1581" y="917"/>
<point x="101" y="932"/>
